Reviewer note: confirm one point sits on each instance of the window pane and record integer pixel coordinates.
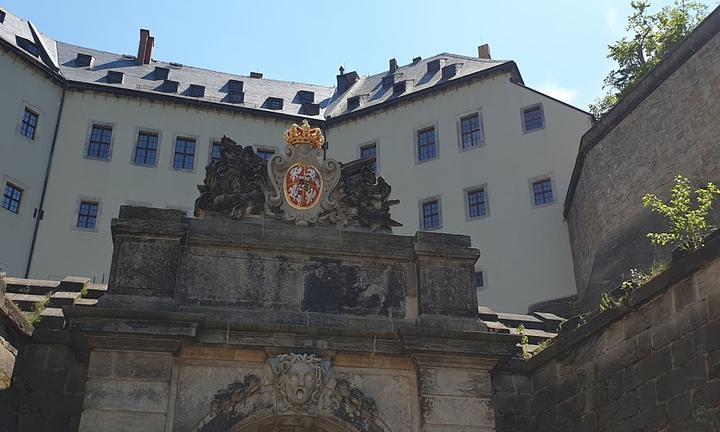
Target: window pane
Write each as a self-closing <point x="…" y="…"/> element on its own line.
<point x="184" y="153"/>
<point x="146" y="151"/>
<point x="266" y="154"/>
<point x="11" y="198"/>
<point x="477" y="206"/>
<point x="542" y="192"/>
<point x="533" y="118"/>
<point x="99" y="146"/>
<point x="427" y="148"/>
<point x="431" y="215"/>
<point x="87" y="215"/>
<point x="369" y="151"/>
<point x="215" y="151"/>
<point x="28" y="124"/>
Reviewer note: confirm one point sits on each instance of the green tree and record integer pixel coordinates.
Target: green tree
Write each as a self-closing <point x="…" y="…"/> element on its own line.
<point x="651" y="37"/>
<point x="687" y="214"/>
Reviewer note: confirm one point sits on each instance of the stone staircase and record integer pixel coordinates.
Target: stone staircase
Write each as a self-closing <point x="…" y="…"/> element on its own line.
<point x="41" y="301"/>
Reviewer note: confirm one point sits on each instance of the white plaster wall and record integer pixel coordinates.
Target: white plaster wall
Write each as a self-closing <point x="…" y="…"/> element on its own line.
<point x="23" y="161"/>
<point x="525" y="250"/>
<point x="64" y="250"/>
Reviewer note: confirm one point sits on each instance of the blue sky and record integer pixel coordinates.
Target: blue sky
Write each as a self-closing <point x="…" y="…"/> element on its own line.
<point x="559" y="45"/>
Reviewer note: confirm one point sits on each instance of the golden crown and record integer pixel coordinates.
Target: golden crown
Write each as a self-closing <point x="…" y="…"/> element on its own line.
<point x="304" y="134"/>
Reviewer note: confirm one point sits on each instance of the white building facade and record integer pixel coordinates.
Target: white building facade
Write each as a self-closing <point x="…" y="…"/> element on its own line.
<point x="466" y="146"/>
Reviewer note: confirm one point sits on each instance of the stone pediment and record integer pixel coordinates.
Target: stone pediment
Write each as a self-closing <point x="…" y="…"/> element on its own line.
<point x="298" y="186"/>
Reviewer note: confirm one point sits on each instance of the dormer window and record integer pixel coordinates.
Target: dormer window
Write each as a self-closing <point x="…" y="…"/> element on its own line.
<point x="434" y="66"/>
<point x="306" y="96"/>
<point x="27" y="45"/>
<point x="115" y="77"/>
<point x="235" y="97"/>
<point x="353" y="102"/>
<point x="235" y="86"/>
<point x="274" y="103"/>
<point x="196" y="90"/>
<point x="400" y="87"/>
<point x="450" y="70"/>
<point x="161" y="73"/>
<point x="388" y="80"/>
<point x="84" y="60"/>
<point x="311" y="109"/>
<point x="2" y="16"/>
<point x="169" y="86"/>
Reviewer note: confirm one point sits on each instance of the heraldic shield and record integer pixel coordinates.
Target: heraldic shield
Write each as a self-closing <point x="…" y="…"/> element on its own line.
<point x="302" y="182"/>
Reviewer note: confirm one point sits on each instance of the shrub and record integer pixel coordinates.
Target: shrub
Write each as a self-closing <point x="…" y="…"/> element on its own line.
<point x="686" y="214"/>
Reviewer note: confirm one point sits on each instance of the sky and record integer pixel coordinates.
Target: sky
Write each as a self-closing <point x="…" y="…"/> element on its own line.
<point x="560" y="46"/>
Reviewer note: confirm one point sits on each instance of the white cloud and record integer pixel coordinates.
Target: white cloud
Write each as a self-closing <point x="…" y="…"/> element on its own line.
<point x="558" y="92"/>
<point x="613" y="22"/>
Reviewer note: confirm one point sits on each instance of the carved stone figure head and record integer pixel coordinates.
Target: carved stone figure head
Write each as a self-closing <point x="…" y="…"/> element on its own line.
<point x="299" y="378"/>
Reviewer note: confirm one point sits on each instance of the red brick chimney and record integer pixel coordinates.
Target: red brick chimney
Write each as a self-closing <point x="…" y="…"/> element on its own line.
<point x="145" y="48"/>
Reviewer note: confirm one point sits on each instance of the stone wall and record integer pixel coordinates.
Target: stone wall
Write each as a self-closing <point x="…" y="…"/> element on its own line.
<point x="652" y="135"/>
<point x="47" y="388"/>
<point x="650" y="365"/>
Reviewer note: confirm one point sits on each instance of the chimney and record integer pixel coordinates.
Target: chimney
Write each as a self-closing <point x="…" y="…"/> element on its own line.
<point x="257" y="75"/>
<point x="145" y="48"/>
<point x="484" y="51"/>
<point x="346" y="80"/>
<point x="393" y="65"/>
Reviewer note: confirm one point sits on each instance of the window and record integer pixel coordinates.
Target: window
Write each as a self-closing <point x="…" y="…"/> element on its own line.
<point x="99" y="146"/>
<point x="480" y="280"/>
<point x="146" y="150"/>
<point x="87" y="216"/>
<point x="367" y="151"/>
<point x="215" y="153"/>
<point x="266" y="154"/>
<point x="29" y="124"/>
<point x="542" y="192"/>
<point x="533" y="118"/>
<point x="11" y="198"/>
<point x="430" y="214"/>
<point x="274" y="103"/>
<point x="184" y="153"/>
<point x="470" y="131"/>
<point x="427" y="145"/>
<point x="476" y="203"/>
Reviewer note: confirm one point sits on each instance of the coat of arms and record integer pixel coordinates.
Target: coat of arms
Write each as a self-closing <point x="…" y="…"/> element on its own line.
<point x="303" y="185"/>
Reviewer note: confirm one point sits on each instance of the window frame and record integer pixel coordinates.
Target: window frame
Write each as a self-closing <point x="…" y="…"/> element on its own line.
<point x="549" y="177"/>
<point x="266" y="149"/>
<point x="466" y="198"/>
<point x="421" y="213"/>
<point x="542" y="116"/>
<point x="138" y="131"/>
<point x="460" y="133"/>
<point x="76" y="214"/>
<point x="210" y="149"/>
<point x="21" y="199"/>
<point x="416" y="141"/>
<point x="27" y="107"/>
<point x="88" y="139"/>
<point x="367" y="144"/>
<point x="185" y="137"/>
<point x="484" y="286"/>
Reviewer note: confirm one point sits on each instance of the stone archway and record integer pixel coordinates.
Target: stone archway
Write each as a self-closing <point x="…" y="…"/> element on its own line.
<point x="294" y="423"/>
<point x="300" y="394"/>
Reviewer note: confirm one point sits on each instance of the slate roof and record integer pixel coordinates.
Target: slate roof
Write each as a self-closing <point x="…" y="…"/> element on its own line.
<point x="327" y="103"/>
<point x="372" y="92"/>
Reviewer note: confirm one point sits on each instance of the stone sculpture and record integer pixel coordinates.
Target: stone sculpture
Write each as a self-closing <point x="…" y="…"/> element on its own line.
<point x="297" y="186"/>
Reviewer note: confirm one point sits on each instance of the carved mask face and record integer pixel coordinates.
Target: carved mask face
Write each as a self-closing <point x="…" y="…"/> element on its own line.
<point x="302" y="381"/>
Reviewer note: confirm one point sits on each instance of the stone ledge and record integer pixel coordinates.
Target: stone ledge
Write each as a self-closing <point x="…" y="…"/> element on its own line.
<point x="679" y="269"/>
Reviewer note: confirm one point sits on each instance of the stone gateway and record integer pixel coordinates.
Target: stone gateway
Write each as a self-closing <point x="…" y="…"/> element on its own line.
<point x="286" y="306"/>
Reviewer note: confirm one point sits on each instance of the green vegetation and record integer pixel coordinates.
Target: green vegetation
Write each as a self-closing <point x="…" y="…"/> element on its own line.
<point x="524" y="342"/>
<point x="39" y="306"/>
<point x="687" y="213"/>
<point x="651" y="37"/>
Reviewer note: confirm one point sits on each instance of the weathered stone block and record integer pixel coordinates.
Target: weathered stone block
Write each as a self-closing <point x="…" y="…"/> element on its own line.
<point x="454" y="382"/>
<point x="117" y="395"/>
<point x="457" y="411"/>
<point x="118" y="421"/>
<point x="144" y="266"/>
